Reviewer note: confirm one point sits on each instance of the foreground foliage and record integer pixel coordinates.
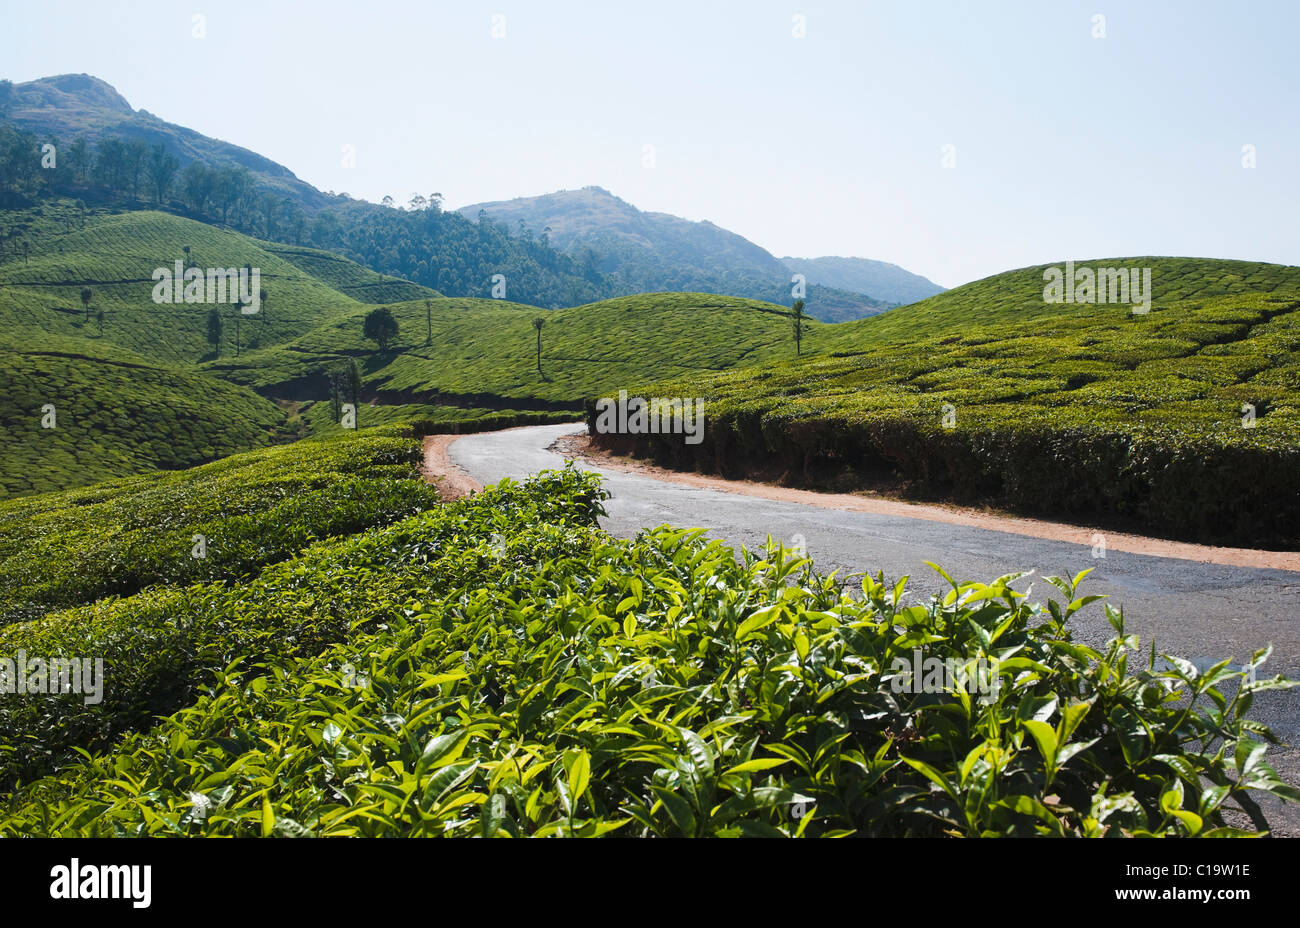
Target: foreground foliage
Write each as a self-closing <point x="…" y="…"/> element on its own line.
<point x="503" y="667"/>
<point x="74" y="547"/>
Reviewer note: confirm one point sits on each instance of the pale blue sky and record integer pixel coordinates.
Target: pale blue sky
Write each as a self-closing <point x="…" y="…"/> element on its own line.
<point x="1067" y="146"/>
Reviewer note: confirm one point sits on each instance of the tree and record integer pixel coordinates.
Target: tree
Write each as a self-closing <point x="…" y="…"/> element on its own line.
<point x="197" y="182"/>
<point x="86" y="295"/>
<point x="380" y="327"/>
<point x="239" y="314"/>
<point x="345" y="387"/>
<point x="78" y="158"/>
<point x="110" y="163"/>
<point x="262" y="296"/>
<point x="799" y="323"/>
<point x="538" y="322"/>
<point x="215" y="325"/>
<point x="428" y="313"/>
<point x="162" y="170"/>
<point x="134" y="162"/>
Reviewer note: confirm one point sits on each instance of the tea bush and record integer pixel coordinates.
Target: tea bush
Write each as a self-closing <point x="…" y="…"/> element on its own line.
<point x="510" y="670"/>
<point x="161" y="647"/>
<point x="1182" y="422"/>
<point x="64" y="549"/>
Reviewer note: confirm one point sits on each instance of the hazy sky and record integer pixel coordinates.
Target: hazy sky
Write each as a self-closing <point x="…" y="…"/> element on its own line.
<point x="1066" y="145"/>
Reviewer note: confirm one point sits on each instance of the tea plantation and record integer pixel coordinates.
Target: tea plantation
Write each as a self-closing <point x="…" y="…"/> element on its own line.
<point x="76" y="411"/>
<point x="1183" y="421"/>
<point x="500" y="666"/>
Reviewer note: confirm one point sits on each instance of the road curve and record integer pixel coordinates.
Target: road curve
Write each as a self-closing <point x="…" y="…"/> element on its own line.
<point x="1202" y="611"/>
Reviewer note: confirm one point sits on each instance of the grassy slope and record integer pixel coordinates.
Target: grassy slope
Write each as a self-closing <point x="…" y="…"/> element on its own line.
<point x="488" y="347"/>
<point x="73" y="547"/>
<point x="116" y="413"/>
<point x="132" y="398"/>
<point x="116" y="255"/>
<point x="1219" y="334"/>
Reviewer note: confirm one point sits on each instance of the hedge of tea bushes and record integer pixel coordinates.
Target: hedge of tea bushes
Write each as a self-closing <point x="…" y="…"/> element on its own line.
<point x="114" y="413"/>
<point x="1096" y="414"/>
<point x="666" y="687"/>
<point x="68" y="548"/>
<point x="162" y="647"/>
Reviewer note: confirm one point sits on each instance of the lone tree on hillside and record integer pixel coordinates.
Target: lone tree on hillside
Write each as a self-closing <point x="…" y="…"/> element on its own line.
<point x="239" y="312"/>
<point x="345" y="387"/>
<point x="262" y="296"/>
<point x="380" y="327"/>
<point x="538" y="322"/>
<point x="798" y="319"/>
<point x="86" y="295"/>
<point x="215" y="325"/>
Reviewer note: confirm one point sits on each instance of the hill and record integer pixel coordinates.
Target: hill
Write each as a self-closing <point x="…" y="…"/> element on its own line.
<point x="1184" y="420"/>
<point x="116" y="255"/>
<point x="484" y="352"/>
<point x="881" y="279"/>
<point x="76" y="411"/>
<point x="644" y="251"/>
<point x="68" y="106"/>
<point x="478" y="368"/>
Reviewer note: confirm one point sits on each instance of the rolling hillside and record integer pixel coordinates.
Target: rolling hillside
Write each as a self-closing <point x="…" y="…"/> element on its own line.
<point x="129" y="395"/>
<point x="1184" y="420"/>
<point x="77" y="411"/>
<point x="115" y="257"/>
<point x="479" y="368"/>
<point x="484" y="351"/>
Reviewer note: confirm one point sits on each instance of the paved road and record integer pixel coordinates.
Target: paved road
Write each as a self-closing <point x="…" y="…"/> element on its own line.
<point x="1204" y="612"/>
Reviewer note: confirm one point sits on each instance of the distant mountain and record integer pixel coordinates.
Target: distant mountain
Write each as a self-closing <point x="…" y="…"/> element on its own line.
<point x="881" y="279"/>
<point x="71" y="105"/>
<point x="644" y="251"/>
<point x="562" y="249"/>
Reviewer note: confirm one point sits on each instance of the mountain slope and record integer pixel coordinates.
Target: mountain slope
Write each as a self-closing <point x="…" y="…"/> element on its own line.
<point x="484" y="352"/>
<point x="70" y="105"/>
<point x="881" y="279"/>
<point x="644" y="252"/>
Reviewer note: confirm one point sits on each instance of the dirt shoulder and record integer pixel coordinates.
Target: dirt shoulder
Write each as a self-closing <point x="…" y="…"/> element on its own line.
<point x="578" y="446"/>
<point x="439" y="469"/>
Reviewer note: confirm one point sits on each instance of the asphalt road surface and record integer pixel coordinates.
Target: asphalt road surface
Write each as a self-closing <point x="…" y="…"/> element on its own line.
<point x="1204" y="612"/>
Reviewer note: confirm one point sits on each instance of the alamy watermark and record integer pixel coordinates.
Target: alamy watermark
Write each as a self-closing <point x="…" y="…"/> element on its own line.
<point x="1104" y="285"/>
<point x="21" y="675"/>
<point x="242" y="286"/>
<point x="656" y="415"/>
<point x="933" y="675"/>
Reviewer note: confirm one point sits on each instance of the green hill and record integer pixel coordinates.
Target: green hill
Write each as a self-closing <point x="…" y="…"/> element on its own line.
<point x="987" y="393"/>
<point x="479" y="367"/>
<point x="115" y="257"/>
<point x="128" y="393"/>
<point x="485" y="350"/>
<point x="114" y="413"/>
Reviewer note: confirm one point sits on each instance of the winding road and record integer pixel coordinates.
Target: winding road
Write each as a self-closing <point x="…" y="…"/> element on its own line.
<point x="1200" y="610"/>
